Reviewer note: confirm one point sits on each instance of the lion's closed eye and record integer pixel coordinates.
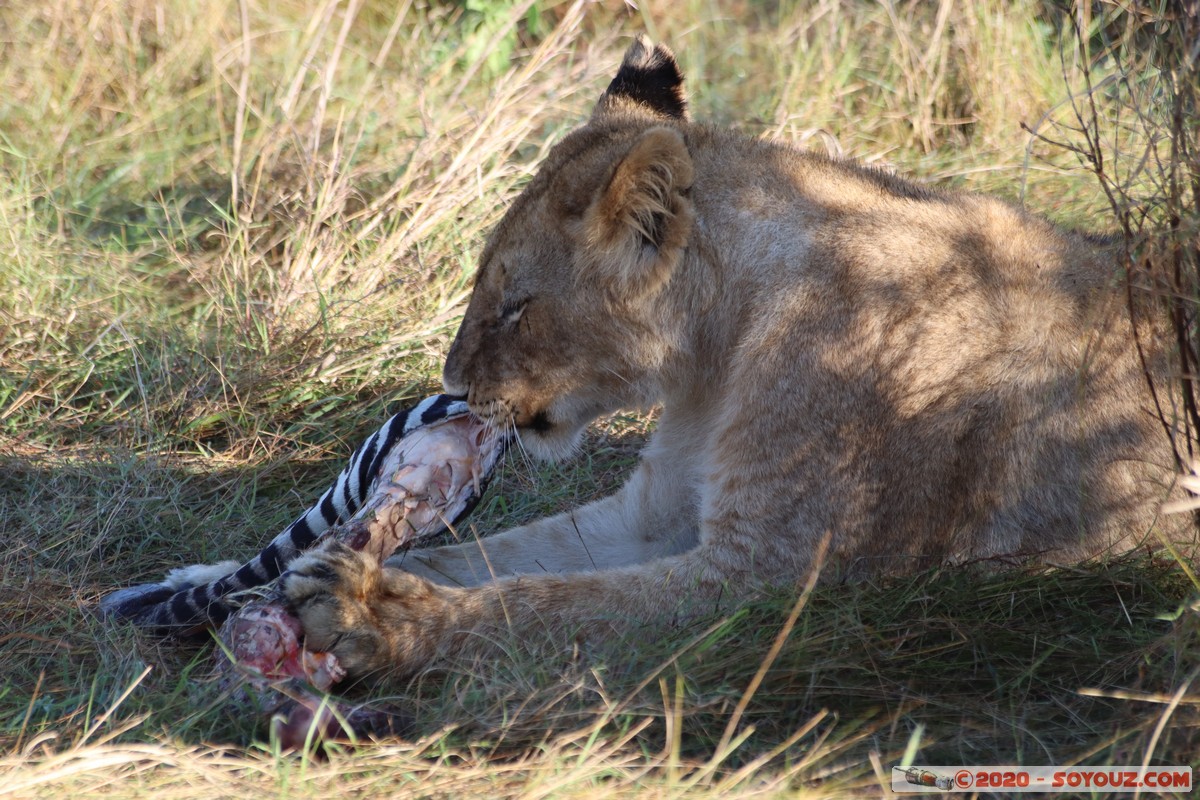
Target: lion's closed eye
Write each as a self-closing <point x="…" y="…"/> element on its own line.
<point x="512" y="311"/>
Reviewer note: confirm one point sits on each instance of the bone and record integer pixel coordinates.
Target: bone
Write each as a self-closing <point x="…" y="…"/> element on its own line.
<point x="428" y="477"/>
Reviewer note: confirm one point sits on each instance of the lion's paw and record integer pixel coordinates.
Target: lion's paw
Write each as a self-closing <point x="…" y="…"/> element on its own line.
<point x="373" y="619"/>
<point x="332" y="592"/>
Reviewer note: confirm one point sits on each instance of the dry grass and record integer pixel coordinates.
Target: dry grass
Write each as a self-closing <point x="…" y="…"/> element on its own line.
<point x="1132" y="122"/>
<point x="235" y="235"/>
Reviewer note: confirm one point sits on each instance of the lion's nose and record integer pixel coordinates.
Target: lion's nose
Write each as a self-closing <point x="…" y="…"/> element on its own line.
<point x="454" y="379"/>
<point x="453" y="387"/>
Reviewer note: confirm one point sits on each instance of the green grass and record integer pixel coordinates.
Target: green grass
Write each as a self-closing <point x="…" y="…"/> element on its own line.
<point x="233" y="239"/>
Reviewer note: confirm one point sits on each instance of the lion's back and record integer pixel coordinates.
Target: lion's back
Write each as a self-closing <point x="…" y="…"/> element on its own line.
<point x="974" y="364"/>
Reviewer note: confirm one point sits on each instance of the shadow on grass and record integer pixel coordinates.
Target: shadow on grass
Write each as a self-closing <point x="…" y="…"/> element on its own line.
<point x="976" y="666"/>
<point x="78" y="526"/>
<point x="1033" y="666"/>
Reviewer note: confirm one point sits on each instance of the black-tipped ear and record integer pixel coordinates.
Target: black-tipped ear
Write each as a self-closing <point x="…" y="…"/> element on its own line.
<point x="648" y="80"/>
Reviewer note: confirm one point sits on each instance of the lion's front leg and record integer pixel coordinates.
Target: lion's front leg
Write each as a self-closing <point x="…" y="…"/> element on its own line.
<point x="386" y="620"/>
<point x="372" y="618"/>
<point x="655" y="514"/>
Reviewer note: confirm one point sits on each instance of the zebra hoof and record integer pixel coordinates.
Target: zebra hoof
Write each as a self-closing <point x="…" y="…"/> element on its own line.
<point x="130" y="602"/>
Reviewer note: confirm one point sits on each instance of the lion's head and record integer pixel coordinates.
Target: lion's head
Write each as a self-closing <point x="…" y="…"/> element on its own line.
<point x="566" y="319"/>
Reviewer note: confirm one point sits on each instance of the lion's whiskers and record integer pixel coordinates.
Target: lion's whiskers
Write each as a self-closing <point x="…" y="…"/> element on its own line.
<point x="525" y="457"/>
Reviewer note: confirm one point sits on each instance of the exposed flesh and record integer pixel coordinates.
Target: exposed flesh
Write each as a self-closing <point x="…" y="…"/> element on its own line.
<point x="427" y="479"/>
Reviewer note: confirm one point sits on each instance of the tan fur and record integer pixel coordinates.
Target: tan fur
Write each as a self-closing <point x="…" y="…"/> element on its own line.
<point x="922" y="376"/>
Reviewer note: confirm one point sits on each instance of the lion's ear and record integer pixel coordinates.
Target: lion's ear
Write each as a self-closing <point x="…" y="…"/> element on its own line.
<point x="637" y="226"/>
<point x="649" y="80"/>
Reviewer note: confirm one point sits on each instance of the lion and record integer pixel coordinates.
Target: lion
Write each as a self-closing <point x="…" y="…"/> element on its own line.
<point x="858" y="376"/>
